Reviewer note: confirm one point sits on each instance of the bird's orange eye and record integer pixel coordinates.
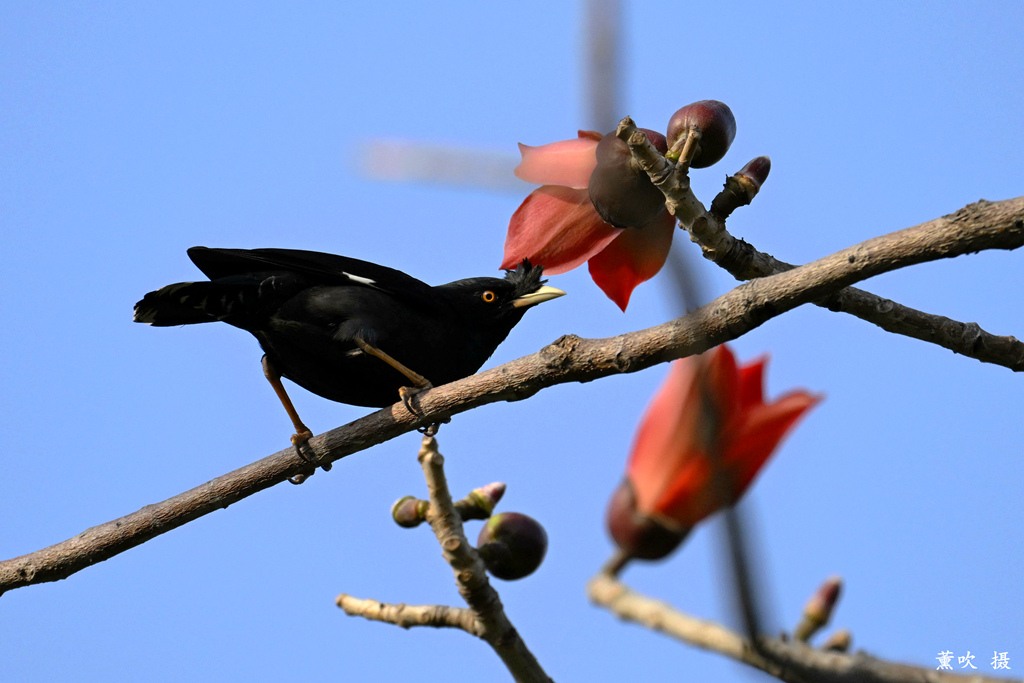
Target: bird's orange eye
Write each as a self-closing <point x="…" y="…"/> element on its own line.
<point x="488" y="296"/>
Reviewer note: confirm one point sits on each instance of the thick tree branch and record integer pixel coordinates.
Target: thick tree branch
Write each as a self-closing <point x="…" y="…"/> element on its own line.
<point x="984" y="225"/>
<point x="793" y="662"/>
<point x="744" y="262"/>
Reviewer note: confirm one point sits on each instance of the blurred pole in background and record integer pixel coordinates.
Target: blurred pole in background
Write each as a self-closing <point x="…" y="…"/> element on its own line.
<point x="602" y="64"/>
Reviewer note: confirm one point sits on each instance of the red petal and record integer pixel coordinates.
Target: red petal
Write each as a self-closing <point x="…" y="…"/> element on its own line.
<point x="690" y="497"/>
<point x="724" y="384"/>
<point x="568" y="162"/>
<point x="556" y="227"/>
<point x="762" y="432"/>
<point x="634" y="257"/>
<point x="669" y="466"/>
<point x="665" y="439"/>
<point x="752" y="384"/>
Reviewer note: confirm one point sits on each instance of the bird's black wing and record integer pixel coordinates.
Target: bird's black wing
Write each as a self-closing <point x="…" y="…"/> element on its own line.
<point x="327" y="269"/>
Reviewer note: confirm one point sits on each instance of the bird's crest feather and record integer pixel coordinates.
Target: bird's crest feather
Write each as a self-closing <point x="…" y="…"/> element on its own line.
<point x="526" y="277"/>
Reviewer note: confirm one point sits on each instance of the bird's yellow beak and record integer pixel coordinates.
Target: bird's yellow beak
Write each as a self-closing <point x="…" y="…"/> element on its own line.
<point x="543" y="294"/>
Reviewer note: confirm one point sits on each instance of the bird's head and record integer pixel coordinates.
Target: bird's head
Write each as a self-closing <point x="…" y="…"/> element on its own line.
<point x="527" y="287"/>
<point x="497" y="299"/>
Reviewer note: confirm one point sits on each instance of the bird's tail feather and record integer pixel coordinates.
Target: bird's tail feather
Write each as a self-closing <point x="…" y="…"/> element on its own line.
<point x="188" y="303"/>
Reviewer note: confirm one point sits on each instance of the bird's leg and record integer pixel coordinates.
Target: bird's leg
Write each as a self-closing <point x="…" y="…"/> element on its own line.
<point x="419" y="382"/>
<point x="302" y="434"/>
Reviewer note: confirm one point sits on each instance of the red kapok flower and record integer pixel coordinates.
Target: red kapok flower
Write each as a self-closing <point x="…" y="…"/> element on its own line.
<point x="669" y="485"/>
<point x="558" y="227"/>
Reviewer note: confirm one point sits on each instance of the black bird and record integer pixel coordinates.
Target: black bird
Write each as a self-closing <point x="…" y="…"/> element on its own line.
<point x="348" y="330"/>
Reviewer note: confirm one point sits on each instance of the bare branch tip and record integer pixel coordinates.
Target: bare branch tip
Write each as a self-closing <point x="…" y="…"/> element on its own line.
<point x="428" y="450"/>
<point x="637" y="138"/>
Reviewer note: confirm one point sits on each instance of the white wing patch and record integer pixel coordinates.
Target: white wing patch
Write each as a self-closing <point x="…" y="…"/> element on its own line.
<point x="361" y="280"/>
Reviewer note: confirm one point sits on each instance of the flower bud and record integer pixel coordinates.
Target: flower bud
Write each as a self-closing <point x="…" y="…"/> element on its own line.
<point x="818" y="609"/>
<point x="741" y="188"/>
<point x="409" y="512"/>
<point x="620" y="190"/>
<point x="512" y="545"/>
<point x="639" y="536"/>
<point x="713" y="120"/>
<point x="756" y="172"/>
<point x="480" y="503"/>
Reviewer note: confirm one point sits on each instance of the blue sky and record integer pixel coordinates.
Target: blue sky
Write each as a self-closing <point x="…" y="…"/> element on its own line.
<point x="131" y="132"/>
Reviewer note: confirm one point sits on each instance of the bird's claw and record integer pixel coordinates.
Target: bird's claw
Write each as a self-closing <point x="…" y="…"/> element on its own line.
<point x="301" y="442"/>
<point x="432" y="428"/>
<point x="301" y="439"/>
<point x="409" y="395"/>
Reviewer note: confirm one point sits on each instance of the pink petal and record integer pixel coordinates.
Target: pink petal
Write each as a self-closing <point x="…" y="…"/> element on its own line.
<point x="635" y="256"/>
<point x="556" y="227"/>
<point x="568" y="162"/>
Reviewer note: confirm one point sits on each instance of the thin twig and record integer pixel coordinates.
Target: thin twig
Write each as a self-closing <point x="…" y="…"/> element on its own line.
<point x="485" y="617"/>
<point x="985" y="225"/>
<point x="408" y="616"/>
<point x="470" y="574"/>
<point x="793" y="662"/>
